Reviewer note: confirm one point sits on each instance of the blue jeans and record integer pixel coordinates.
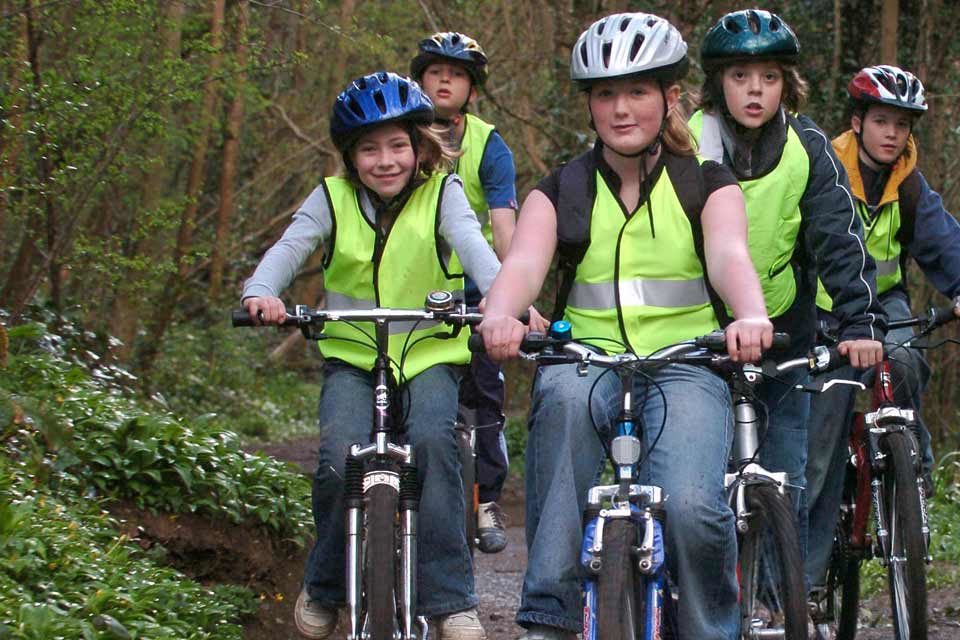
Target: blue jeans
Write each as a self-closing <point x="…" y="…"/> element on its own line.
<point x="830" y="428"/>
<point x="445" y="568"/>
<point x="784" y="444"/>
<point x="564" y="456"/>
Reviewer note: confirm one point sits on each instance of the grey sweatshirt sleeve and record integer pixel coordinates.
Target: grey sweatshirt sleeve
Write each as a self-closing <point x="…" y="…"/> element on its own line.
<point x="460" y="229"/>
<point x="311" y="226"/>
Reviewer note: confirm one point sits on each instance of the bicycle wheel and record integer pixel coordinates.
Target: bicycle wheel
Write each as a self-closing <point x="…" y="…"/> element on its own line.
<point x="380" y="561"/>
<point x="468" y="475"/>
<point x="907" y="569"/>
<point x="619" y="601"/>
<point x="843" y="572"/>
<point x="772" y="591"/>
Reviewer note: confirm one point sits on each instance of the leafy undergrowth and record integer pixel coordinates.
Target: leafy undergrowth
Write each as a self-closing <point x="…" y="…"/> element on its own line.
<point x="74" y="447"/>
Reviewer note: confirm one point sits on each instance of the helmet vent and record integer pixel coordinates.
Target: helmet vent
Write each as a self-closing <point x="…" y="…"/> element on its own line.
<point x="774" y="24"/>
<point x="731" y="25"/>
<point x="583" y="54"/>
<point x="600" y="27"/>
<point x="381" y="103"/>
<point x="355" y="108"/>
<point x="402" y="91"/>
<point x="753" y="20"/>
<point x="361" y="84"/>
<point x="636" y="46"/>
<point x="607" y="48"/>
<point x="625" y="24"/>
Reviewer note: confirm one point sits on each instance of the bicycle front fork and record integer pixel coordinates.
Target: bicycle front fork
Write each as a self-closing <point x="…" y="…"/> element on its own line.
<point x="412" y="627"/>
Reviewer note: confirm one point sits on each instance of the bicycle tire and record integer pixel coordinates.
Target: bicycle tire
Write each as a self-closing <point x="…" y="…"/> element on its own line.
<point x="773" y="593"/>
<point x="619" y="601"/>
<point x="380" y="561"/>
<point x="843" y="572"/>
<point x="468" y="475"/>
<point x="907" y="580"/>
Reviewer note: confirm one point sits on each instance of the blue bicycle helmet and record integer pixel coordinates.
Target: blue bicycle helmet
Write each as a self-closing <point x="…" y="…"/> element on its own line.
<point x="376" y="99"/>
<point x="450" y="46"/>
<point x="746" y="34"/>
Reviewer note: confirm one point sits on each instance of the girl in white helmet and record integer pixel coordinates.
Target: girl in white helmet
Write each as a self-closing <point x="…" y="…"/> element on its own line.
<point x="651" y="245"/>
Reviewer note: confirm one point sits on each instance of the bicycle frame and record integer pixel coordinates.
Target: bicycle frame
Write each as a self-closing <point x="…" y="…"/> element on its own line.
<point x="866" y="455"/>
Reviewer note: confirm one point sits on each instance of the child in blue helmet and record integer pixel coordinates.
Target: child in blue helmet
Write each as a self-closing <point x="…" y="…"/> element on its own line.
<point x="801" y="218"/>
<point x="390" y="221"/>
<point x="451" y="67"/>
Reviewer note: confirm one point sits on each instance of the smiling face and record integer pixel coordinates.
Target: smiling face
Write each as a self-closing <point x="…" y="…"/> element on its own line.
<point x="449" y="87"/>
<point x="884" y="131"/>
<point x="384" y="159"/>
<point x="753" y="91"/>
<point x="628" y="113"/>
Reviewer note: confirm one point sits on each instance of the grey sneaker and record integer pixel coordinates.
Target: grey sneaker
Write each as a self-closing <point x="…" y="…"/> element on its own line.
<point x="491" y="528"/>
<point x="462" y="625"/>
<point x="542" y="632"/>
<point x="314" y="621"/>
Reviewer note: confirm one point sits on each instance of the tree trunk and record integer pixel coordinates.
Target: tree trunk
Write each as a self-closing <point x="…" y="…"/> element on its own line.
<point x="128" y="304"/>
<point x="231" y="151"/>
<point x="889" y="16"/>
<point x="176" y="282"/>
<point x="11" y="140"/>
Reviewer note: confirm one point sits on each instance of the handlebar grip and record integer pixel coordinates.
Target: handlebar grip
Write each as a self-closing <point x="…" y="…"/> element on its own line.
<point x="475" y="344"/>
<point x="717" y="342"/>
<point x="781" y="341"/>
<point x="240" y="318"/>
<point x="940" y="316"/>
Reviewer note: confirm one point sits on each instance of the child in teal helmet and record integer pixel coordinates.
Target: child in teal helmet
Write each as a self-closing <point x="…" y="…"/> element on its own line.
<point x="801" y="219"/>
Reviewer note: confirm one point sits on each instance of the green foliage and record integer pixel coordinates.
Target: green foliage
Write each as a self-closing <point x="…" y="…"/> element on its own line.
<point x="66" y="573"/>
<point x="81" y="436"/>
<point x="218" y="375"/>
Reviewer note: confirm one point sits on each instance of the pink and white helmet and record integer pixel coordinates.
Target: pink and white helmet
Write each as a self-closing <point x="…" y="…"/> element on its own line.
<point x="886" y="84"/>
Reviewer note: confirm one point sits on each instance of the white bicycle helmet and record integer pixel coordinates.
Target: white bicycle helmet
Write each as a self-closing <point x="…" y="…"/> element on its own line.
<point x="886" y="84"/>
<point x="626" y="44"/>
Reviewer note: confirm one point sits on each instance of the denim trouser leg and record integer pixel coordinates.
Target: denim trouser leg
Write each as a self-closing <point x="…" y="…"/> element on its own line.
<point x="829" y="427"/>
<point x="689" y="460"/>
<point x="784" y="444"/>
<point x="445" y="569"/>
<point x="909" y="370"/>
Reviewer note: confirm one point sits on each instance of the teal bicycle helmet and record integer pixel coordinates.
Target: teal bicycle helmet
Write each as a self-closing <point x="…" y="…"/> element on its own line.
<point x="751" y="33"/>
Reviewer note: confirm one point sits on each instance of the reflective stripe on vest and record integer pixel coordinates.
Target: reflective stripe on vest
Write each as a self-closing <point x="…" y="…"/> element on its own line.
<point x="773" y="214"/>
<point x="475" y="136"/>
<point x="882" y="245"/>
<point x="408" y="269"/>
<point x="659" y="279"/>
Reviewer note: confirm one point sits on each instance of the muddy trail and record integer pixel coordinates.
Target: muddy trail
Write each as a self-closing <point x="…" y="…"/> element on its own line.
<point x="215" y="553"/>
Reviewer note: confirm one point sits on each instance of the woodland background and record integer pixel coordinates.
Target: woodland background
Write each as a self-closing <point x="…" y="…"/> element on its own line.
<point x="151" y="151"/>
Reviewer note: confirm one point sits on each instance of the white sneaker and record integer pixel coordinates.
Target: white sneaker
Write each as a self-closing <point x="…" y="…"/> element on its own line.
<point x="462" y="625"/>
<point x="314" y="621"/>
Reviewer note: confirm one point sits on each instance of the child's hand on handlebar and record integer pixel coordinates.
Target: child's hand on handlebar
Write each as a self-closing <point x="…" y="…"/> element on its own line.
<point x="956" y="306"/>
<point x="502" y="336"/>
<point x="266" y="309"/>
<point x="747" y="338"/>
<point x="861" y="353"/>
<point x="537" y="322"/>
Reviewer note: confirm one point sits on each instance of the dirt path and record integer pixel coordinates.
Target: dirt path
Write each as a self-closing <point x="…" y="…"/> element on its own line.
<point x="499" y="578"/>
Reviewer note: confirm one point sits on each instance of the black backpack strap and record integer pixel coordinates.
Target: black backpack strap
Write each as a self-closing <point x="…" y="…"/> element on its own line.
<point x="687" y="179"/>
<point x="577" y="192"/>
<point x="909" y="197"/>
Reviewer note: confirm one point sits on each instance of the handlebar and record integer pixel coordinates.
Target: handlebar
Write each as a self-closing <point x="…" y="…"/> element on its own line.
<point x="305" y="316"/>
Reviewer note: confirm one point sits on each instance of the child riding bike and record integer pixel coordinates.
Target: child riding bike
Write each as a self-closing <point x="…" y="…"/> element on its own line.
<point x="904" y="218"/>
<point x="389" y="221"/>
<point x="646" y="235"/>
<point x="801" y="219"/>
<point x="451" y="67"/>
